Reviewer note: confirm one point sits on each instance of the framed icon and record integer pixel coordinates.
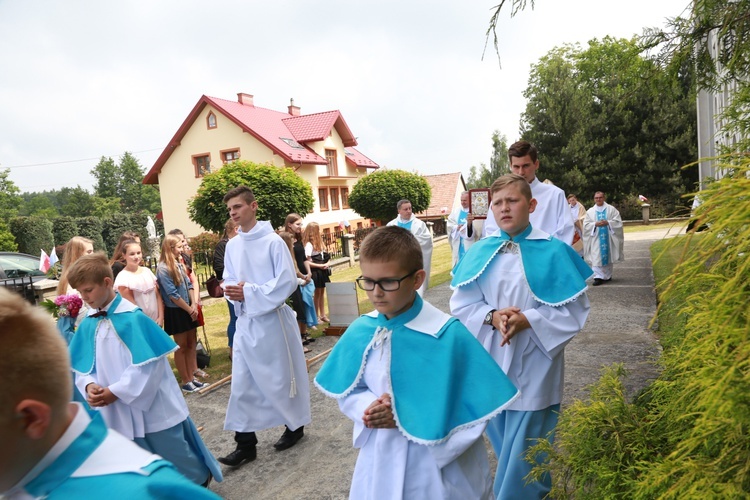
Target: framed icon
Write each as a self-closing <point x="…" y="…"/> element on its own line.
<point x="479" y="202"/>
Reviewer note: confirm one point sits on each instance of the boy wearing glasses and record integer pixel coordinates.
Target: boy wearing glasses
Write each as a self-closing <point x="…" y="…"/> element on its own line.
<point x="522" y="293"/>
<point x="406" y="374"/>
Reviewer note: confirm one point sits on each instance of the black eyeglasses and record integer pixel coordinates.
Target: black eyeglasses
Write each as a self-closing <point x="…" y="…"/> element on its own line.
<point x="387" y="285"/>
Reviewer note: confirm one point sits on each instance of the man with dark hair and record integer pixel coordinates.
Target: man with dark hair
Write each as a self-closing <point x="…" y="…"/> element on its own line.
<point x="552" y="214"/>
<point x="269" y="373"/>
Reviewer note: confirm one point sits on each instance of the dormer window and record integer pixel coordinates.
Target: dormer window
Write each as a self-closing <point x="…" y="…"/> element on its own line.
<point x="211" y="120"/>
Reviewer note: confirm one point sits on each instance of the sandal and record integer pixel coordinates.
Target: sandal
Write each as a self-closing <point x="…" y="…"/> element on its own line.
<point x="200" y="373"/>
<point x="306" y="350"/>
<point x="324" y="319"/>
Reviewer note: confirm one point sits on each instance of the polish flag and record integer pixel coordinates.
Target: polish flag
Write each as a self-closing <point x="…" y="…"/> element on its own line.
<point x="44" y="262"/>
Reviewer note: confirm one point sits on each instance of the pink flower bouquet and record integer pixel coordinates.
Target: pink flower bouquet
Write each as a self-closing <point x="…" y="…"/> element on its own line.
<point x="64" y="305"/>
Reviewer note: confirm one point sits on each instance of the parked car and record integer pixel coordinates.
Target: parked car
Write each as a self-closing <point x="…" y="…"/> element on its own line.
<point x="19" y="272"/>
<point x="19" y="265"/>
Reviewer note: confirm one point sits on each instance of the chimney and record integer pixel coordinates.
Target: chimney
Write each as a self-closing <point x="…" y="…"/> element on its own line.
<point x="245" y="99"/>
<point x="293" y="110"/>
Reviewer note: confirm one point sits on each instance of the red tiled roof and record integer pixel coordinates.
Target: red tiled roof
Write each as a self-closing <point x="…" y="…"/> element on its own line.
<point x="285" y="135"/>
<point x="358" y="159"/>
<point x="317" y="126"/>
<point x="444" y="189"/>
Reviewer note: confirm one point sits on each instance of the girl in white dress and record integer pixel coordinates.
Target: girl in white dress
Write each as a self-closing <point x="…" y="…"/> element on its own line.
<point x="138" y="284"/>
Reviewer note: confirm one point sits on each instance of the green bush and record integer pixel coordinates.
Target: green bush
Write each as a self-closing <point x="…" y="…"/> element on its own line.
<point x="64" y="228"/>
<point x="7" y="240"/>
<point x="32" y="234"/>
<point x="114" y="226"/>
<point x="279" y="191"/>
<point x="375" y="195"/>
<point x="92" y="228"/>
<point x="688" y="434"/>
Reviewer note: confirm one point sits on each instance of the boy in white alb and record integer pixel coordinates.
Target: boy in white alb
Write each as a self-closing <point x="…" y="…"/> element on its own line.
<point x="522" y="294"/>
<point x="269" y="373"/>
<point x="119" y="356"/>
<point x="407" y="375"/>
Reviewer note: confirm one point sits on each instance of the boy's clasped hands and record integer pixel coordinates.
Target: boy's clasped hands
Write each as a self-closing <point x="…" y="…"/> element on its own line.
<point x="379" y="415"/>
<point x="99" y="396"/>
<point x="508" y="322"/>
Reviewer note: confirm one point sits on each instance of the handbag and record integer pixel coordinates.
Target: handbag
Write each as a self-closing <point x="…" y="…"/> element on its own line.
<point x="214" y="287"/>
<point x="202" y="349"/>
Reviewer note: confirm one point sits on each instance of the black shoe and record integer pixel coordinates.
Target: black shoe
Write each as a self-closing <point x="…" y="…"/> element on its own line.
<point x="598" y="281"/>
<point x="289" y="438"/>
<point x="239" y="456"/>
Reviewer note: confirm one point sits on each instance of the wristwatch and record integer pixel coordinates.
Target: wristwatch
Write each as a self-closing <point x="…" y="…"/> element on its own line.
<point x="488" y="318"/>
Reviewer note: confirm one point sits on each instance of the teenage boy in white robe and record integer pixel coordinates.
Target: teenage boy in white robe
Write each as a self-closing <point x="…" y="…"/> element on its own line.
<point x="552" y="213"/>
<point x="120" y="358"/>
<point x="52" y="448"/>
<point x="603" y="238"/>
<point x="407" y="220"/>
<point x="269" y="374"/>
<point x="418" y="387"/>
<point x="522" y="294"/>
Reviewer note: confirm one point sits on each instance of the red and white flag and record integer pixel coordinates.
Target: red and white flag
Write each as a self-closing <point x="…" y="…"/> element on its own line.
<point x="642" y="198"/>
<point x="44" y="262"/>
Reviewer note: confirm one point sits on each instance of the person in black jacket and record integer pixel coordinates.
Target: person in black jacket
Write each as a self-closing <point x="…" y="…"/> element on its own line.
<point x="230" y="231"/>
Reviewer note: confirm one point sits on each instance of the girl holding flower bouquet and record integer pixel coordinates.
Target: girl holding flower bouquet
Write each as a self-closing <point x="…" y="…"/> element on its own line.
<point x="138" y="284"/>
<point x="77" y="247"/>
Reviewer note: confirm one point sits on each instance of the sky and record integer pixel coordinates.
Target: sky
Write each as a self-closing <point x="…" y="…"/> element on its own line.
<point x="82" y="79"/>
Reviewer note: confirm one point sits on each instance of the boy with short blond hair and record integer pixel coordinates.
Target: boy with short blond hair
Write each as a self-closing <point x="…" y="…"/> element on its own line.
<point x="522" y="293"/>
<point x="119" y="356"/>
<point x="406" y="375"/>
<point x="52" y="448"/>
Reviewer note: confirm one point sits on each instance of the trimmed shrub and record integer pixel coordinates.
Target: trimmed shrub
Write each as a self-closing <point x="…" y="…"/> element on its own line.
<point x="64" y="228"/>
<point x="92" y="228"/>
<point x="375" y="195"/>
<point x="279" y="191"/>
<point x="32" y="234"/>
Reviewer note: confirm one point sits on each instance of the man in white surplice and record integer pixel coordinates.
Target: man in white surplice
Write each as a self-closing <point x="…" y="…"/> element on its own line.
<point x="463" y="229"/>
<point x="269" y="373"/>
<point x="603" y="238"/>
<point x="552" y="214"/>
<point x="421" y="232"/>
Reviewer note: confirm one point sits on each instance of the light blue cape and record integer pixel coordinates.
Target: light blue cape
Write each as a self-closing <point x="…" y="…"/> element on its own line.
<point x="142" y="337"/>
<point x="556" y="274"/>
<point x="442" y="378"/>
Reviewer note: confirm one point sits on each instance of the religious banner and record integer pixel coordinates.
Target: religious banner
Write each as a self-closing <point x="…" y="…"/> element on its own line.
<point x="479" y="205"/>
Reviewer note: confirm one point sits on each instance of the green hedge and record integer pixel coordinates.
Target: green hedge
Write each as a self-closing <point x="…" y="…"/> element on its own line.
<point x="32" y="234"/>
<point x="64" y="228"/>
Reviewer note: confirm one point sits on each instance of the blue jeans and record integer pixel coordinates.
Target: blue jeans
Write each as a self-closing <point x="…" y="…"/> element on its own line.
<point x="232" y="326"/>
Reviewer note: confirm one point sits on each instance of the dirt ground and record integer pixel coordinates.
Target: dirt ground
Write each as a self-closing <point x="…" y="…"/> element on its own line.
<point x="321" y="464"/>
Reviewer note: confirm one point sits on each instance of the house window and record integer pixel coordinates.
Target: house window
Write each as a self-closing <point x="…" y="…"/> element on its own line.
<point x="211" y="120"/>
<point x="323" y="199"/>
<point x="230" y="155"/>
<point x="335" y="199"/>
<point x="202" y="165"/>
<point x="333" y="168"/>
<point x="345" y="197"/>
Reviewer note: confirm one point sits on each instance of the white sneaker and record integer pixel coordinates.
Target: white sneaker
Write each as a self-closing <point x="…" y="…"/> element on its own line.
<point x="189" y="387"/>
